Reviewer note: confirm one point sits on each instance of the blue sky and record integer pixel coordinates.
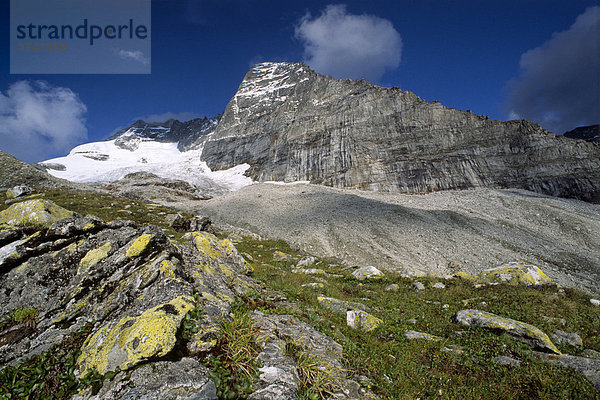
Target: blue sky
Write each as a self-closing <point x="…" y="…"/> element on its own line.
<point x="504" y="59"/>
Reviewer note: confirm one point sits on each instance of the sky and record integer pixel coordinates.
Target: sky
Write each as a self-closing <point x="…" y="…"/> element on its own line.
<point x="533" y="59"/>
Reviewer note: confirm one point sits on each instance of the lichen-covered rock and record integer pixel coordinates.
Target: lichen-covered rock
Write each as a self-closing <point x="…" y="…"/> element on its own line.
<point x="38" y="213"/>
<point x="521" y="330"/>
<point x="359" y="319"/>
<point x="589" y="367"/>
<point x="281" y="256"/>
<point x="139" y="245"/>
<point x="412" y="335"/>
<point x="134" y="339"/>
<point x="93" y="257"/>
<point x="392" y="288"/>
<point x="506" y="361"/>
<point x="325" y="351"/>
<point x="570" y="338"/>
<point x="514" y="274"/>
<point x="340" y="306"/>
<point x="18" y="191"/>
<point x="184" y="379"/>
<point x="367" y="272"/>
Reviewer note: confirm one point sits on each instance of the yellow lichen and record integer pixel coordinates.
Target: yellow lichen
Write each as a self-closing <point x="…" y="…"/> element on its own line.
<point x="139" y="245"/>
<point x="167" y="269"/>
<point x="93" y="257"/>
<point x="226" y="270"/>
<point x="465" y="276"/>
<point x="204" y="243"/>
<point x="134" y="339"/>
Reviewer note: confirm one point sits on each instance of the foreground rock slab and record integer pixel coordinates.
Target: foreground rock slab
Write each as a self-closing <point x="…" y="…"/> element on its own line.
<point x="521" y="330"/>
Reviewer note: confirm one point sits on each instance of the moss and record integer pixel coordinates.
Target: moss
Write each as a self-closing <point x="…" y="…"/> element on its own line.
<point x="139" y="245"/>
<point x="93" y="257"/>
<point x="132" y="340"/>
<point x="38" y="213"/>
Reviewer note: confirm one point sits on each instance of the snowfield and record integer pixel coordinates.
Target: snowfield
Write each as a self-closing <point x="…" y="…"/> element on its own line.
<point x="103" y="162"/>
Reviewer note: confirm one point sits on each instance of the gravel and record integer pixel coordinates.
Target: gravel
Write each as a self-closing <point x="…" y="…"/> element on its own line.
<point x="440" y="232"/>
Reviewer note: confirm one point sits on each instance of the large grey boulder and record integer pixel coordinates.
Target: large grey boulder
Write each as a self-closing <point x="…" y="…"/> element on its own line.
<point x="521" y="330"/>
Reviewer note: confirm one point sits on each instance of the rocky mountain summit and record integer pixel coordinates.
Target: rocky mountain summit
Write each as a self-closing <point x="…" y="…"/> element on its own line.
<point x="291" y="124"/>
<point x="588" y="133"/>
<point x="188" y="134"/>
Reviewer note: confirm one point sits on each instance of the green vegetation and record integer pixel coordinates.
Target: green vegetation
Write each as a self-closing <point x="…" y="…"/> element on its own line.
<point x="233" y="362"/>
<point x="192" y="320"/>
<point x="458" y="366"/>
<point x="49" y="375"/>
<point x="315" y="383"/>
<point x="110" y="208"/>
<point x="27" y="316"/>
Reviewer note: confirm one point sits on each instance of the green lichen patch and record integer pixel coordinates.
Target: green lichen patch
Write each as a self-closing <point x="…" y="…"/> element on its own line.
<point x="515" y="274"/>
<point x="520" y="329"/>
<point x="93" y="257"/>
<point x="134" y="339"/>
<point x="208" y="244"/>
<point x="33" y="213"/>
<point x="139" y="245"/>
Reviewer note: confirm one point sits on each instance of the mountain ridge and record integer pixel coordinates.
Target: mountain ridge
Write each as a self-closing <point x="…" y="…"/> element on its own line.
<point x="290" y="123"/>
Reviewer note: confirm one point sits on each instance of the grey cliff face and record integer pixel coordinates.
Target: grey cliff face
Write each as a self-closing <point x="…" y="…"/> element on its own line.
<point x="290" y="123"/>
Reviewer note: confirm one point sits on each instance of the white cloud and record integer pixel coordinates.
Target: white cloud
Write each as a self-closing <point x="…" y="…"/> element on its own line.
<point x="182" y="116"/>
<point x="349" y="46"/>
<point x="559" y="82"/>
<point x="39" y="121"/>
<point x="135" y="55"/>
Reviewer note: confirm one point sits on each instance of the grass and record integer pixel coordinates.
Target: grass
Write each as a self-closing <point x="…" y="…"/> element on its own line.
<point x="110" y="208"/>
<point x="394" y="367"/>
<point x="401" y="368"/>
<point x="233" y="362"/>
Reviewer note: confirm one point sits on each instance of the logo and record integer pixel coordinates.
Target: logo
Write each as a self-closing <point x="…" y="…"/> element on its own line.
<point x="80" y="37"/>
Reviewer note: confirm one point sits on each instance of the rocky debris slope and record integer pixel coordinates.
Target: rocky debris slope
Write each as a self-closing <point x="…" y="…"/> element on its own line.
<point x="150" y="187"/>
<point x="188" y="135"/>
<point x="151" y="309"/>
<point x="441" y="232"/>
<point x="292" y="124"/>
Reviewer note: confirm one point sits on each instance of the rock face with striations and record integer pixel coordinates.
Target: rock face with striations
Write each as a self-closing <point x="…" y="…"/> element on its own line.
<point x="290" y="123"/>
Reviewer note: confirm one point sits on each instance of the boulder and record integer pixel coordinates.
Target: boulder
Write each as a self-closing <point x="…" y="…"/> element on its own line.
<point x="18" y="191"/>
<point x="359" y="319"/>
<point x="412" y="335"/>
<point x="521" y="330"/>
<point x="507" y="361"/>
<point x="514" y="274"/>
<point x="570" y="338"/>
<point x="37" y="213"/>
<point x="363" y="273"/>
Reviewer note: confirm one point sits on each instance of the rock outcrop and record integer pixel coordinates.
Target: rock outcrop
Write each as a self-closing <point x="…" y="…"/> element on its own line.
<point x="292" y="124"/>
<point x="151" y="308"/>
